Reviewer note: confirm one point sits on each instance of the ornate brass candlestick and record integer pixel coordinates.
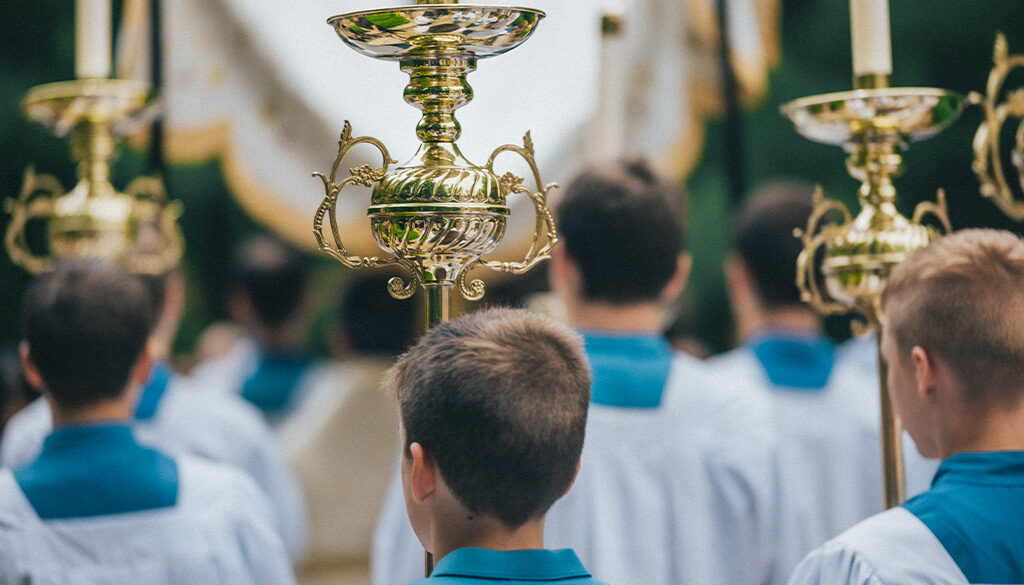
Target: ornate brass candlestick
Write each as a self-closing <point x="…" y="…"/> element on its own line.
<point x="988" y="158"/>
<point x="437" y="214"/>
<point x="137" y="228"/>
<point x="873" y="126"/>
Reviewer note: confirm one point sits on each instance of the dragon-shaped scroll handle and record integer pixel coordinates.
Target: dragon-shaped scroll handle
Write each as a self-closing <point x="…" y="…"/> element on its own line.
<point x="544" y="233"/>
<point x="988" y="161"/>
<point x="366" y="176"/>
<point x="814" y="237"/>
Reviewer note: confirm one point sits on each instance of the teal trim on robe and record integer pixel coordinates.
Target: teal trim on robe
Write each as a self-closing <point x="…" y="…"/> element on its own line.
<point x="272" y="386"/>
<point x="97" y="470"/>
<point x="149" y="398"/>
<point x="480" y="565"/>
<point x="975" y="508"/>
<point x="791" y="360"/>
<point x="629" y="371"/>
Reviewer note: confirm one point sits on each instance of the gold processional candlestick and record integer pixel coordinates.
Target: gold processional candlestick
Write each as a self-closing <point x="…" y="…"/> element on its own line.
<point x="437" y="214"/>
<point x="874" y="125"/>
<point x="988" y="152"/>
<point x="136" y="229"/>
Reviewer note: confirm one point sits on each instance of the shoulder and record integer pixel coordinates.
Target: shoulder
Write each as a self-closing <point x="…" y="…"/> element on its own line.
<point x="893" y="547"/>
<point x="209" y="485"/>
<point x="190" y="402"/>
<point x="24" y="434"/>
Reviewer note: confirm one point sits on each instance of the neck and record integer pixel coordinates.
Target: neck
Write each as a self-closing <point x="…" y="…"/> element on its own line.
<point x="117" y="410"/>
<point x="998" y="429"/>
<point x="488" y="533"/>
<point x="640" y="317"/>
<point x="797" y="319"/>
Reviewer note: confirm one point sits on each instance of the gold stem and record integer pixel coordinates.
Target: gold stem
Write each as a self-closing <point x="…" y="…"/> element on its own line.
<point x="893" y="477"/>
<point x="439" y="310"/>
<point x="871" y="81"/>
<point x="93" y="147"/>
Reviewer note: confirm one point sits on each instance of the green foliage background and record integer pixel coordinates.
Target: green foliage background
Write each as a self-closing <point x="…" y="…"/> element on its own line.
<point x="940" y="43"/>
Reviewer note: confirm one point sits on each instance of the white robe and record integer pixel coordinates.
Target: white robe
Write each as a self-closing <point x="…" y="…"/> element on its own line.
<point x="892" y="548"/>
<point x="677" y="495"/>
<point x="218" y="534"/>
<point x="828" y="462"/>
<point x="194" y="421"/>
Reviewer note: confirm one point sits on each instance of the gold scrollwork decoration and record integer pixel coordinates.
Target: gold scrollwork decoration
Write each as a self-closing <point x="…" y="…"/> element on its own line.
<point x="35" y="201"/>
<point x="936" y="209"/>
<point x="363" y="175"/>
<point x="153" y="209"/>
<point x="814" y="237"/>
<point x="988" y="162"/>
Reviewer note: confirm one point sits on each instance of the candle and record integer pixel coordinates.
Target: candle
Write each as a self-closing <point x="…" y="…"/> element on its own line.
<point x="869" y="28"/>
<point x="92" y="38"/>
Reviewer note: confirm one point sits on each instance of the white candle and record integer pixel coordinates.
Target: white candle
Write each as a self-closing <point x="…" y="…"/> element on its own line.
<point x="92" y="38"/>
<point x="869" y="29"/>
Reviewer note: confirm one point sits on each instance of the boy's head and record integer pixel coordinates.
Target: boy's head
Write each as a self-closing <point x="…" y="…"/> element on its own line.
<point x="954" y="332"/>
<point x="86" y="326"/>
<point x="620" y="228"/>
<point x="764" y="246"/>
<point x="493" y="408"/>
<point x="269" y="283"/>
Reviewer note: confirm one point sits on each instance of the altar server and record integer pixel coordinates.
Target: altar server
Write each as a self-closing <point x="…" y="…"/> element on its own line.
<point x="179" y="415"/>
<point x="675" y="485"/>
<point x="954" y="343"/>
<point x="493" y="408"/>
<point x="825" y="414"/>
<point x="267" y="364"/>
<point x="96" y="506"/>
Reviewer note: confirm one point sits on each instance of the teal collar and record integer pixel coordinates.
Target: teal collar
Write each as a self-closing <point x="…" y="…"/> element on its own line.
<point x="795" y="360"/>
<point x="629" y="371"/>
<point x="97" y="470"/>
<point x="272" y="386"/>
<point x="995" y="468"/>
<point x="149" y="399"/>
<point x="512" y="565"/>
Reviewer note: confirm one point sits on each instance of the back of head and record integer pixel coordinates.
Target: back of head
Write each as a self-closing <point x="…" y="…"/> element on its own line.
<point x="273" y="277"/>
<point x="499" y="398"/>
<point x="374" y="322"/>
<point x="961" y="298"/>
<point x="763" y="239"/>
<point x="623" y="228"/>
<point x="86" y="324"/>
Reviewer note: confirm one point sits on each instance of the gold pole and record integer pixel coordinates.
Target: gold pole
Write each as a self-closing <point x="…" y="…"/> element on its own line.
<point x="893" y="475"/>
<point x="439" y="310"/>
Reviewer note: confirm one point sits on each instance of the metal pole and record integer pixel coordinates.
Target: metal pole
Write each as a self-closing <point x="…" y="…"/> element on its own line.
<point x="439" y="310"/>
<point x="893" y="477"/>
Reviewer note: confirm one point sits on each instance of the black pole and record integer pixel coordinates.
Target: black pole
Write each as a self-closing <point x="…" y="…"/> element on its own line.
<point x="732" y="124"/>
<point x="156" y="146"/>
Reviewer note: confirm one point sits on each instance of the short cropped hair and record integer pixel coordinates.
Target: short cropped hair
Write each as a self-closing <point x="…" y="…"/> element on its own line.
<point x="499" y="398"/>
<point x="623" y="228"/>
<point x="961" y="298"/>
<point x="274" y="278"/>
<point x="763" y="239"/>
<point x="86" y="324"/>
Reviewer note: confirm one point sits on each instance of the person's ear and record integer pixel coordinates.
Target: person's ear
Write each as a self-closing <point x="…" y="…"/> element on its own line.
<point x="563" y="275"/>
<point x="924" y="367"/>
<point x="575" y="474"/>
<point x="423" y="473"/>
<point x="143" y="367"/>
<point x="32" y="375"/>
<point x="675" y="285"/>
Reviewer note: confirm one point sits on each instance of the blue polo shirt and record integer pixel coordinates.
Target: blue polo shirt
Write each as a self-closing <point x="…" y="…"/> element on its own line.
<point x="479" y="565"/>
<point x="975" y="508"/>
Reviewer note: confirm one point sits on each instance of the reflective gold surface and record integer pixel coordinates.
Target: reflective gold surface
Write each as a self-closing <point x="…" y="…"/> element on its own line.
<point x="437" y="214"/>
<point x="859" y="252"/>
<point x="138" y="228"/>
<point x="988" y="155"/>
